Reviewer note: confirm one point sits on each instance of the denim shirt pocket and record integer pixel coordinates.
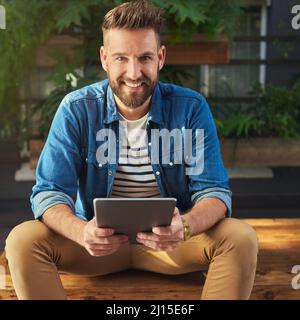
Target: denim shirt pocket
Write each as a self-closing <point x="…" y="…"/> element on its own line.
<point x="96" y="176"/>
<point x="91" y="160"/>
<point x="173" y="172"/>
<point x="172" y="159"/>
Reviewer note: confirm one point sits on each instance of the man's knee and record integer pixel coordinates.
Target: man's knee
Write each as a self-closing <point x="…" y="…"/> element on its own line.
<point x="239" y="236"/>
<point x="23" y="238"/>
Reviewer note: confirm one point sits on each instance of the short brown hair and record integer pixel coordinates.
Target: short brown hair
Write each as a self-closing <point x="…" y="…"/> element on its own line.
<point x="139" y="14"/>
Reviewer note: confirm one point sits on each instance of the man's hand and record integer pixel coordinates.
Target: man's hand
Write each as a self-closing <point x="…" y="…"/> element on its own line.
<point x="164" y="238"/>
<point x="101" y="241"/>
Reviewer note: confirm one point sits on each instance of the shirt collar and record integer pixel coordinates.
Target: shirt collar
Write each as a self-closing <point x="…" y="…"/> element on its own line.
<point x="111" y="113"/>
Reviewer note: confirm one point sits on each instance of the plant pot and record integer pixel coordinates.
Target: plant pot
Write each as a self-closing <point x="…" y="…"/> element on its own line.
<point x="202" y="50"/>
<point x="35" y="149"/>
<point x="261" y="152"/>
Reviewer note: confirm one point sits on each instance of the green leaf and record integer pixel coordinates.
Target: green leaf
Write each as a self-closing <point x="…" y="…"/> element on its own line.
<point x="73" y="13"/>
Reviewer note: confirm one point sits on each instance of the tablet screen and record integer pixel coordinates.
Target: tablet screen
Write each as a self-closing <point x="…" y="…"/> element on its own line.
<point x="132" y="215"/>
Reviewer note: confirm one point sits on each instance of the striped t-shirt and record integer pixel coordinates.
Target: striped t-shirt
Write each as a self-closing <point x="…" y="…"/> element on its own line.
<point x="134" y="177"/>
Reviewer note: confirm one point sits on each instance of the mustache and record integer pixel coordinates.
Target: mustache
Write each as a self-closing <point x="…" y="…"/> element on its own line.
<point x="144" y="80"/>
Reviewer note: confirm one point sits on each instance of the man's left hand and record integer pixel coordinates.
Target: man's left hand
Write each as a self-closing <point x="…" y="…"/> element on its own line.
<point x="164" y="238"/>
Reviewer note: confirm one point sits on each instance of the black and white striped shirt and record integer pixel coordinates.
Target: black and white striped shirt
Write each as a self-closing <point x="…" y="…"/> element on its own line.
<point x="134" y="177"/>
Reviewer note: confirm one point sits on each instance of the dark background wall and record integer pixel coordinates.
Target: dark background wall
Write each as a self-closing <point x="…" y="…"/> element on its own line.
<point x="14" y="196"/>
<point x="285" y="40"/>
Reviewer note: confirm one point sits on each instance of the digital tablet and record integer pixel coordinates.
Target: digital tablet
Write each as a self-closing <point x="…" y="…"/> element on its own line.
<point x="132" y="215"/>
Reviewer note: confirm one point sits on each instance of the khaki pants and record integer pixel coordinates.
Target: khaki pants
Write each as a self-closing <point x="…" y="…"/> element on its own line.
<point x="35" y="255"/>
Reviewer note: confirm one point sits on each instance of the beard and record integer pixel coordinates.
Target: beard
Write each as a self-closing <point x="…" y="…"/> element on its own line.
<point x="133" y="100"/>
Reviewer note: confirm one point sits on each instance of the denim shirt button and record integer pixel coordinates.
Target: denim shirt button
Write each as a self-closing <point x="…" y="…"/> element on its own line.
<point x="149" y="144"/>
<point x="100" y="165"/>
<point x="157" y="173"/>
<point x="171" y="164"/>
<point x="109" y="172"/>
<point x="86" y="159"/>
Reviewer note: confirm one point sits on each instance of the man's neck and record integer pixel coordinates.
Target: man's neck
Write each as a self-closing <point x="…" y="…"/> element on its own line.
<point x="133" y="113"/>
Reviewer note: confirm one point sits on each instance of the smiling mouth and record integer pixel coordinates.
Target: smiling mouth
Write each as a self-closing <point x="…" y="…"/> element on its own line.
<point x="133" y="85"/>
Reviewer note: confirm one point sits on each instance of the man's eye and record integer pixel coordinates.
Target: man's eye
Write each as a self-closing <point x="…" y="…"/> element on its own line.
<point x="120" y="58"/>
<point x="146" y="58"/>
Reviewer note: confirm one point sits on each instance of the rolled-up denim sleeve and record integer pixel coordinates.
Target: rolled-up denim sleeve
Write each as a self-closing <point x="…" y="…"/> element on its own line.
<point x="211" y="179"/>
<point x="46" y="199"/>
<point x="59" y="163"/>
<point x="219" y="193"/>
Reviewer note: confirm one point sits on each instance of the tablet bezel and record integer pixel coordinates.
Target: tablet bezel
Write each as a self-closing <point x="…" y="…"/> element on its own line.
<point x="112" y="217"/>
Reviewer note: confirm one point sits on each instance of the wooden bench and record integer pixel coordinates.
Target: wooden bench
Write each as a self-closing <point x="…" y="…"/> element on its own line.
<point x="129" y="284"/>
<point x="279" y="241"/>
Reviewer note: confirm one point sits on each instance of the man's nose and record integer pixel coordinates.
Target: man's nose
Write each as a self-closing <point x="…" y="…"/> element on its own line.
<point x="134" y="70"/>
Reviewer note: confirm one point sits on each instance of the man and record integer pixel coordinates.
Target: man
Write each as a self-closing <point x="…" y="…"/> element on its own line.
<point x="70" y="174"/>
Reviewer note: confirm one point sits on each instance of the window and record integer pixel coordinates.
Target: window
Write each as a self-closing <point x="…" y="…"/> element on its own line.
<point x="228" y="86"/>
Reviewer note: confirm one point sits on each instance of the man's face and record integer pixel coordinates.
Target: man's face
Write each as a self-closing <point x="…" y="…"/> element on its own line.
<point x="132" y="61"/>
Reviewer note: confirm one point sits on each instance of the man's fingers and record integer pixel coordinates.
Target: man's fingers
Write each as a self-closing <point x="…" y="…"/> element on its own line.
<point x="167" y="231"/>
<point x="163" y="246"/>
<point x="102" y="232"/>
<point x="158" y="238"/>
<point x="98" y="250"/>
<point x="176" y="225"/>
<point x="104" y="247"/>
<point x="108" y="240"/>
<point x="101" y="253"/>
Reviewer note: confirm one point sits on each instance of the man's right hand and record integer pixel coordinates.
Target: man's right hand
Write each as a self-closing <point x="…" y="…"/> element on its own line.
<point x="101" y="241"/>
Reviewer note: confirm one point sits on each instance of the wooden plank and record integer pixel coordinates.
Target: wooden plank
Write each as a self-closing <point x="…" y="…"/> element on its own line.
<point x="204" y="50"/>
<point x="64" y="43"/>
<point x="134" y="284"/>
<point x="279" y="252"/>
<point x="130" y="284"/>
<point x="261" y="152"/>
<point x="274" y="292"/>
<point x="212" y="52"/>
<point x="247" y="3"/>
<point x="274" y="233"/>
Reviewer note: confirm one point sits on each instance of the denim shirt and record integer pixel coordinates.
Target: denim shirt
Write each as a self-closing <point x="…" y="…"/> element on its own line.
<point x="70" y="172"/>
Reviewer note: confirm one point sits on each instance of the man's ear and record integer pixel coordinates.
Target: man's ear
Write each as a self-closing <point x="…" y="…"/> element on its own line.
<point x="103" y="58"/>
<point x="161" y="56"/>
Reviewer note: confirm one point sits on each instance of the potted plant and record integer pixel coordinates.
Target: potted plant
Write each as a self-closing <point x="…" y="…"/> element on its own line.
<point x="57" y="18"/>
<point x="43" y="112"/>
<point x="265" y="135"/>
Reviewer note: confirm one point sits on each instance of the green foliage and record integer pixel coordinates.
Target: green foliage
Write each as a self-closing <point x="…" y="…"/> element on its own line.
<point x="187" y="18"/>
<point x="240" y="125"/>
<point x="26" y="30"/>
<point x="31" y="23"/>
<point x="276" y="113"/>
<point x="73" y="14"/>
<point x="47" y="107"/>
<point x="174" y="75"/>
<point x="279" y="108"/>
